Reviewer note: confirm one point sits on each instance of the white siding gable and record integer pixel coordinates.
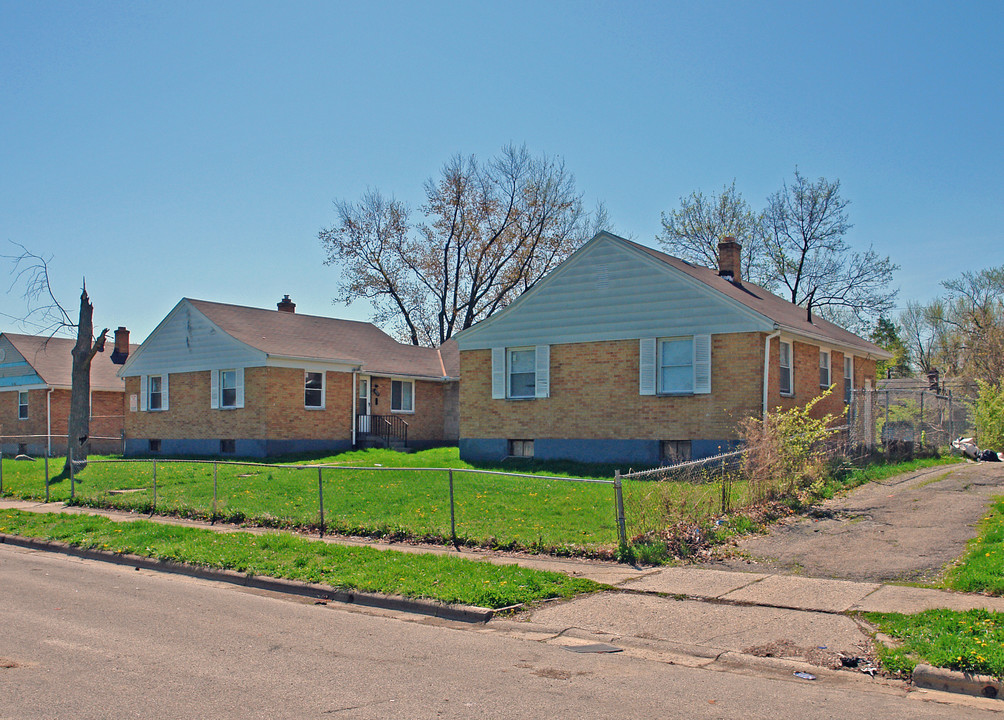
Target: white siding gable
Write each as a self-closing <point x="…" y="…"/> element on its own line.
<point x="610" y="291"/>
<point x="187" y="341"/>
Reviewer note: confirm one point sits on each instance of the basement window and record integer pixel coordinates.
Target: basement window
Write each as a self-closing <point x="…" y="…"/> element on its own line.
<point x="521" y="448"/>
<point x="675" y="451"/>
<point x="154" y="446"/>
<point x="228" y="447"/>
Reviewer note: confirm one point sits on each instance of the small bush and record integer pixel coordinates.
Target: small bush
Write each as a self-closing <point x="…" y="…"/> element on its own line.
<point x="989" y="415"/>
<point x="784" y="452"/>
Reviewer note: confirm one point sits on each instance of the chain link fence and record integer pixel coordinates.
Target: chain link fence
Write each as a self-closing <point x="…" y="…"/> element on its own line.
<point x="903" y="422"/>
<point x="462" y="506"/>
<point x="102" y="441"/>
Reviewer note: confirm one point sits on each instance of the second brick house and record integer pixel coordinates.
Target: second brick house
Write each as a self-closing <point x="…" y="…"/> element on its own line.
<point x="626" y="354"/>
<point x="35" y="385"/>
<point x="214" y="379"/>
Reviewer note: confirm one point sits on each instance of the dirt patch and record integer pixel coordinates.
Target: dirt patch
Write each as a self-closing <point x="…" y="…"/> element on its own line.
<point x="906" y="528"/>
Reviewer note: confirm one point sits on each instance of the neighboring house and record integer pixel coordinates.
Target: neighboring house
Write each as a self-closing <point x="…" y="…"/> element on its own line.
<point x="217" y="379"/>
<point x="626" y="354"/>
<point x="35" y="381"/>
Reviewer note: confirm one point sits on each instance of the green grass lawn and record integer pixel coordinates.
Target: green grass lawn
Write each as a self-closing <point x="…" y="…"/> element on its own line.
<point x="971" y="641"/>
<point x="981" y="569"/>
<point x="276" y="554"/>
<point x="365" y="495"/>
<point x="490" y="510"/>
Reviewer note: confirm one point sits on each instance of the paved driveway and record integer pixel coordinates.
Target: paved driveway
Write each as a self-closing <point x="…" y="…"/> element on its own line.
<point x="907" y="527"/>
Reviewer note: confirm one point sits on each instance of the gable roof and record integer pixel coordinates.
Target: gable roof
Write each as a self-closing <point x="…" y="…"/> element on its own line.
<point x="787" y="315"/>
<point x="52" y="360"/>
<point x="312" y="337"/>
<point x="614" y="289"/>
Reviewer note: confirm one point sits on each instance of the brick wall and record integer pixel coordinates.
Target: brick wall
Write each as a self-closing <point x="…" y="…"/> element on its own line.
<point x="594" y="394"/>
<point x="426" y="423"/>
<point x="106" y="420"/>
<point x="806" y="378"/>
<point x="287" y="419"/>
<point x="273" y="408"/>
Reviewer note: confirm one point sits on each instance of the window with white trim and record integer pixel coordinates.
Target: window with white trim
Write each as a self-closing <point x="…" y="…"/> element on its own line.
<point x="155" y="389"/>
<point x="402" y="395"/>
<point x="228" y="388"/>
<point x="848" y="377"/>
<point x="521" y="372"/>
<point x="313" y="389"/>
<point x="786" y="383"/>
<point x="676" y="366"/>
<point x="824" y="368"/>
<point x="22" y="405"/>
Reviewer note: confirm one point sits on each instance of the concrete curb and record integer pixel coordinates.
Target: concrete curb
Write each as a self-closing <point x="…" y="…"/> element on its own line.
<point x="934" y="678"/>
<point x="460" y="613"/>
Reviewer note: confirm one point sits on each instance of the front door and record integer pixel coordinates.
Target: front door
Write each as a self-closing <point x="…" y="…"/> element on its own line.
<point x="363" y="404"/>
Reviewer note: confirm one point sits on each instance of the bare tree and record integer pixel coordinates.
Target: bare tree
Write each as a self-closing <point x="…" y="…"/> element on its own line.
<point x="45" y="312"/>
<point x="975" y="315"/>
<point x="693" y="230"/>
<point x="490" y="231"/>
<point x="805" y="224"/>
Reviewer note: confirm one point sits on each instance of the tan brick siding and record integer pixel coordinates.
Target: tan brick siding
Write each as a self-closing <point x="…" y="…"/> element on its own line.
<point x="806" y="378"/>
<point x="273" y="408"/>
<point x="594" y="393"/>
<point x="426" y="423"/>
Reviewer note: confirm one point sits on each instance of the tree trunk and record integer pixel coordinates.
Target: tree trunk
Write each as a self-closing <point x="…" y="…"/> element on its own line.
<point x="79" y="423"/>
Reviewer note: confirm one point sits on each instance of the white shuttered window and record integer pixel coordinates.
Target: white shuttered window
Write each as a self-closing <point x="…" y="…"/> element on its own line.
<point x="674" y="366"/>
<point x="521" y="373"/>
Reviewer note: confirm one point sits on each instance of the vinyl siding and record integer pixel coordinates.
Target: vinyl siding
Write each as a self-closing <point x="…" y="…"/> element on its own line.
<point x="608" y="291"/>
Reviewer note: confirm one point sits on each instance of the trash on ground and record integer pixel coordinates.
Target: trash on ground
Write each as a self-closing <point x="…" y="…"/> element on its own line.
<point x="804" y="675"/>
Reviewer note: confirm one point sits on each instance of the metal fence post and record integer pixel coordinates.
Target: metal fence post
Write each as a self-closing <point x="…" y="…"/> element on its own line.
<point x="47" y="477"/>
<point x="69" y="462"/>
<point x="453" y="515"/>
<point x="320" y="496"/>
<point x="1" y="472"/>
<point x="619" y="496"/>
<point x="216" y="467"/>
<point x="153" y="508"/>
<point x="951" y="418"/>
<point x="923" y="435"/>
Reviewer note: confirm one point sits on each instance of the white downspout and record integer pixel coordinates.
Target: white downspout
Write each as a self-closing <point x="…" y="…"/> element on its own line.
<point x="766" y="367"/>
<point x="355" y="399"/>
<point x="48" y="422"/>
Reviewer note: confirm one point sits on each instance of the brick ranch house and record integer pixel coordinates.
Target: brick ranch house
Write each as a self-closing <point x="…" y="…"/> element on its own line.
<point x="218" y="379"/>
<point x="35" y="382"/>
<point x="626" y="354"/>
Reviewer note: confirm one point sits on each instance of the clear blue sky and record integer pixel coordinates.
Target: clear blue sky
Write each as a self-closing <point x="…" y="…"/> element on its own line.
<point x="172" y="149"/>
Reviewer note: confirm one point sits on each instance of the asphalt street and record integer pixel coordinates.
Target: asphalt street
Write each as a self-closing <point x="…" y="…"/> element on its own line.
<point x="83" y="639"/>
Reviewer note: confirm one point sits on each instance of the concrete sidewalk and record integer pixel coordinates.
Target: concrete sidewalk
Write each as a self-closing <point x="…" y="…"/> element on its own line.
<point x="730" y="587"/>
<point x="687" y="615"/>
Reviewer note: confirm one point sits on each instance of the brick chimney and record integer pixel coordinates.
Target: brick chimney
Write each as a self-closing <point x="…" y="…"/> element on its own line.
<point x="121" y="352"/>
<point x="286" y="305"/>
<point x="729" y="260"/>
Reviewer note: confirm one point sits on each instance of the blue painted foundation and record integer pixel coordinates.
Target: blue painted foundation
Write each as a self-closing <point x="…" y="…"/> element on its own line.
<point x="242" y="447"/>
<point x="637" y="452"/>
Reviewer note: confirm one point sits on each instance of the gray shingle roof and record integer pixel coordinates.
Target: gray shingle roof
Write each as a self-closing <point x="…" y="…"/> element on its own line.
<point x="786" y="314"/>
